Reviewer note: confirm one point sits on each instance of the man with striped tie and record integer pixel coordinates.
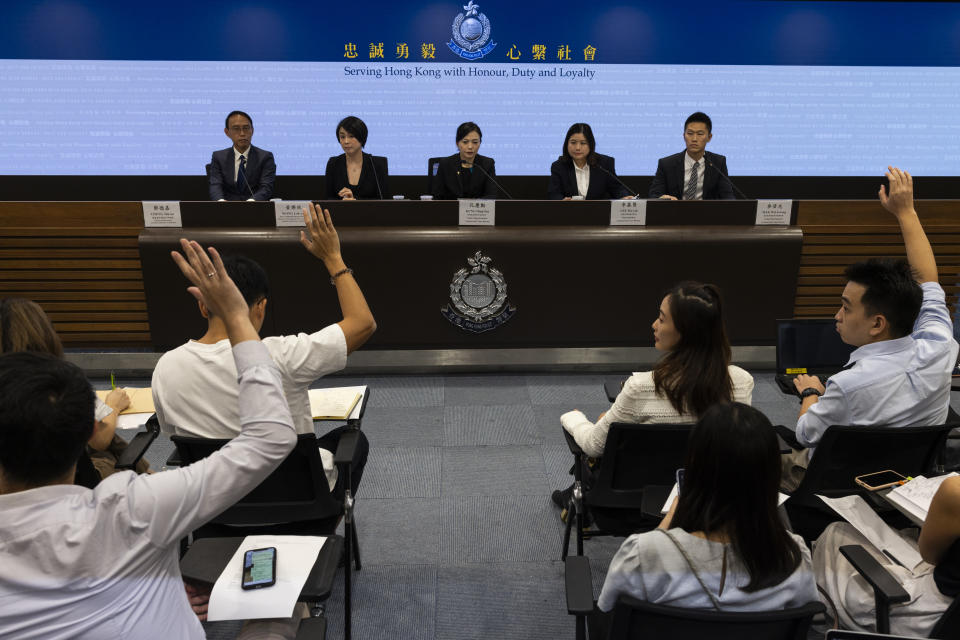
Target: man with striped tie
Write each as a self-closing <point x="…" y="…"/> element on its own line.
<point x="242" y="172"/>
<point x="694" y="174"/>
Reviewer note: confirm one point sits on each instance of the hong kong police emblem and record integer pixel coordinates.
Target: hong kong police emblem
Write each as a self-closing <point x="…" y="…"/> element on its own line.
<point x="471" y="33"/>
<point x="478" y="297"/>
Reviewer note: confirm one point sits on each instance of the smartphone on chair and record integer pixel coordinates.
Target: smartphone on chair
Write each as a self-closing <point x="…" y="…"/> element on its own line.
<point x="880" y="480"/>
<point x="259" y="568"/>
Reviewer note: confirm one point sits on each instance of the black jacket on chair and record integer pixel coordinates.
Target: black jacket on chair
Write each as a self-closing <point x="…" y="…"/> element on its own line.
<point x="603" y="186"/>
<point x="669" y="178"/>
<point x="453" y="181"/>
<point x="373" y="173"/>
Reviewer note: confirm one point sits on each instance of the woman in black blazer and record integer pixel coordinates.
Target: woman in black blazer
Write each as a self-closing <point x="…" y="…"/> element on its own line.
<point x="355" y="175"/>
<point x="465" y="174"/>
<point x="579" y="152"/>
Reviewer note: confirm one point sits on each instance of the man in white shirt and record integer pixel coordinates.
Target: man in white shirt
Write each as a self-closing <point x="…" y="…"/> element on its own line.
<point x="195" y="385"/>
<point x="82" y="564"/>
<point x="895" y="313"/>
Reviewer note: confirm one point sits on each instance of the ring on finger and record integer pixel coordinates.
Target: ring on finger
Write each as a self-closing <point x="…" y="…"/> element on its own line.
<point x="211" y="274"/>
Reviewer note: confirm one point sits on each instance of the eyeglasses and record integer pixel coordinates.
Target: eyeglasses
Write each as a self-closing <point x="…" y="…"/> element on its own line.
<point x="246" y="128"/>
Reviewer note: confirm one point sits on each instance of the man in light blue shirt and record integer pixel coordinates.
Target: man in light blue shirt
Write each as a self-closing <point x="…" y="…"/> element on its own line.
<point x="896" y="314"/>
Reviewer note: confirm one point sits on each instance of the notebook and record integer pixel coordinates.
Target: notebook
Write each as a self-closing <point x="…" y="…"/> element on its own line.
<point x="811" y="346"/>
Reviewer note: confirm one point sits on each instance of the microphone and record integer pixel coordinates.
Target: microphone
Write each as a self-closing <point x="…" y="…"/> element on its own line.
<point x="376" y="178"/>
<point x="614" y="176"/>
<point x="717" y="169"/>
<point x="246" y="180"/>
<point x="483" y="171"/>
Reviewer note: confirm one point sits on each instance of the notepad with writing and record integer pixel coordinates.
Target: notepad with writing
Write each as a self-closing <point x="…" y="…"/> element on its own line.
<point x="141" y="399"/>
<point x="915" y="496"/>
<point x="337" y="403"/>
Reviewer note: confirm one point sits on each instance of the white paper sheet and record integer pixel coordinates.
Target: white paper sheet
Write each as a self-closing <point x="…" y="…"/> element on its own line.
<point x="132" y="420"/>
<point x="781" y="498"/>
<point x="295" y="558"/>
<point x="316" y="393"/>
<point x="864" y="519"/>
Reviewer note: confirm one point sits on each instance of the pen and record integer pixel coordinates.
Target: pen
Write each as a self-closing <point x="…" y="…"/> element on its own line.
<point x="890" y="555"/>
<point x="113" y="384"/>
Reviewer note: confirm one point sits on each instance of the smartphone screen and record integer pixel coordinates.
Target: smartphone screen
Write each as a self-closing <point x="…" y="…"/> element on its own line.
<point x="881" y="478"/>
<point x="680" y="473"/>
<point x="259" y="568"/>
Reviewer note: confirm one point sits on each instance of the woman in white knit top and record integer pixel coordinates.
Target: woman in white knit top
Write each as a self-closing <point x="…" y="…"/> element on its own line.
<point x="694" y="373"/>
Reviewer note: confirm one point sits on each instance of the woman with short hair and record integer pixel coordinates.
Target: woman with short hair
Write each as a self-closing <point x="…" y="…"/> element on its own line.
<point x="355" y="175"/>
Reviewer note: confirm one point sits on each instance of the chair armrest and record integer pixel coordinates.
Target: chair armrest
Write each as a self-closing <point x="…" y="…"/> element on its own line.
<point x="873" y="572"/>
<point x="886" y="590"/>
<point x="654" y="495"/>
<point x="579" y="585"/>
<point x="612" y="389"/>
<point x="571" y="443"/>
<point x="135" y="449"/>
<point x="174" y="460"/>
<point x="346" y="447"/>
<point x="312" y="629"/>
<point x="789" y="436"/>
<point x="363" y="408"/>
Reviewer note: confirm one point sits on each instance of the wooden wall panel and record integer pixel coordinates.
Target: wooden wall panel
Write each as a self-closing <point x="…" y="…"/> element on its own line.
<point x="80" y="262"/>
<point x="837" y="233"/>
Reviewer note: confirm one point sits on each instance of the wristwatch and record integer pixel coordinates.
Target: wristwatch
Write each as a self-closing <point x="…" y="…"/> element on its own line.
<point x="810" y="391"/>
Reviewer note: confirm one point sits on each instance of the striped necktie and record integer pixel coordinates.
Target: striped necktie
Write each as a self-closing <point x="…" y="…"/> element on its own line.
<point x="690" y="191"/>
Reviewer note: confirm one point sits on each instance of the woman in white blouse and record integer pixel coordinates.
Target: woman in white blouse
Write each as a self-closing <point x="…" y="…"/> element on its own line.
<point x="693" y="374"/>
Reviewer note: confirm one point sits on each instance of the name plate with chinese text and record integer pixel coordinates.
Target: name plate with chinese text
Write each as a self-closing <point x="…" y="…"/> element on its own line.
<point x="289" y="213"/>
<point x="478" y="212"/>
<point x="161" y="214"/>
<point x="774" y="212"/>
<point x="628" y="212"/>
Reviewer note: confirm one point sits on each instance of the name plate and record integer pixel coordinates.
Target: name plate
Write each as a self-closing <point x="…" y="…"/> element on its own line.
<point x="161" y="214"/>
<point x="289" y="213"/>
<point x="628" y="212"/>
<point x="478" y="212"/>
<point x="775" y="212"/>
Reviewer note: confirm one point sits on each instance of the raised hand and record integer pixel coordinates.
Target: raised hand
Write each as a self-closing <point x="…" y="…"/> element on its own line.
<point x="899" y="199"/>
<point x="211" y="284"/>
<point x="320" y="238"/>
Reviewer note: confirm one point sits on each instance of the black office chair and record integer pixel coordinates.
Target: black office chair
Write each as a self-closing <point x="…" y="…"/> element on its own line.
<point x="296" y="496"/>
<point x="433" y="165"/>
<point x="845" y="452"/>
<point x="634" y="478"/>
<point x="887" y="591"/>
<point x="634" y="619"/>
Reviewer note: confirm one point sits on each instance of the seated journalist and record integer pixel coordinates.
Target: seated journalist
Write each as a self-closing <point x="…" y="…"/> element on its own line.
<point x="895" y="313"/>
<point x="694" y="174"/>
<point x="722" y="545"/>
<point x="195" y="385"/>
<point x="932" y="585"/>
<point x="87" y="564"/>
<point x="242" y="172"/>
<point x="466" y="174"/>
<point x="582" y="173"/>
<point x="355" y="175"/>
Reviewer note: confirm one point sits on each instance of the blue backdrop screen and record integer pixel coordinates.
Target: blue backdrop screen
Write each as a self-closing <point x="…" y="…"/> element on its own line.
<point x="794" y="88"/>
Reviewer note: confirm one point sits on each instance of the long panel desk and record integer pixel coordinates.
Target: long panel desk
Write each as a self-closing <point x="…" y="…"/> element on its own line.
<point x="81" y="262"/>
<point x="573" y="280"/>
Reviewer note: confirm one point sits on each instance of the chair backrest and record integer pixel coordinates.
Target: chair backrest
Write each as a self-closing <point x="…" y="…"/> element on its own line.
<point x="845" y="452"/>
<point x="635" y="620"/>
<point x="637" y="455"/>
<point x="297" y="490"/>
<point x="433" y="165"/>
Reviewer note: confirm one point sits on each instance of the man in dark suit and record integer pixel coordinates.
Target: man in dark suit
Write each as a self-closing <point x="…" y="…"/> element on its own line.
<point x="242" y="172"/>
<point x="694" y="174"/>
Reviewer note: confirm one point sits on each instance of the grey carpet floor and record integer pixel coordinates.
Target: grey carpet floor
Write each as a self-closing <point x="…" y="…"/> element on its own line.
<point x="458" y="536"/>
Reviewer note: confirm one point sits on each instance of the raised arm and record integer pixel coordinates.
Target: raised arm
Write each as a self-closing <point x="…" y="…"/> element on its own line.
<point x="321" y="240"/>
<point x="899" y="202"/>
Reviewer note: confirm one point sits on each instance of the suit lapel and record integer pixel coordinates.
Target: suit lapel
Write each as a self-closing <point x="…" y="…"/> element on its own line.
<point x="679" y="173"/>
